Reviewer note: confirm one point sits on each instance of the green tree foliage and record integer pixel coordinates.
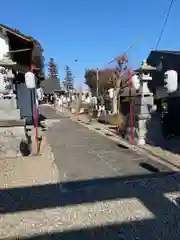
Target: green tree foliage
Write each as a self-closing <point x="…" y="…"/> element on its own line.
<point x="69" y="79"/>
<point x="52" y="69"/>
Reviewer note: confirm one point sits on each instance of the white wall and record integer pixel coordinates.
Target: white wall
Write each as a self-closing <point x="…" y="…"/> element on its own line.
<point x="4" y="45"/>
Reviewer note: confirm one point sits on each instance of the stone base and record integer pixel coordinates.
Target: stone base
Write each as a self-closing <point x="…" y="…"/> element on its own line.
<point x="141" y="141"/>
<point x="140" y="131"/>
<point x="10" y="140"/>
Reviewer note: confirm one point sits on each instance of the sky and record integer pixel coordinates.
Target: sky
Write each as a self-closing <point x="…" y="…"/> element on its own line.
<point x="94" y="32"/>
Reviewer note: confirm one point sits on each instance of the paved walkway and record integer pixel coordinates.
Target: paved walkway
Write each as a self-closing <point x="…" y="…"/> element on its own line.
<point x="169" y="155"/>
<point x="105" y="192"/>
<point x="48" y="112"/>
<point x="83" y="154"/>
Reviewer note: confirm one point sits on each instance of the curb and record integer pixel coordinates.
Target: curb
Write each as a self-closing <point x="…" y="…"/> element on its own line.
<point x="162" y="158"/>
<point x="55" y="171"/>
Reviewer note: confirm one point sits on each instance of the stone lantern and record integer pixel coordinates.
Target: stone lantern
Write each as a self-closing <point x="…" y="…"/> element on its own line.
<point x="144" y="102"/>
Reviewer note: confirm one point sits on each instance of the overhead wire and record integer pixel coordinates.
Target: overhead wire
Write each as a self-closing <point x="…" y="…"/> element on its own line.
<point x="165" y="23"/>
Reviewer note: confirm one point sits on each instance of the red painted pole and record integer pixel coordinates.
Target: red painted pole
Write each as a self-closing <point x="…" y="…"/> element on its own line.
<point x="36" y="125"/>
<point x="131" y="108"/>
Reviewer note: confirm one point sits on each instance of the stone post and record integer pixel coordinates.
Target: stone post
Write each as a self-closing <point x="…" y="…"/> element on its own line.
<point x="143" y="104"/>
<point x="115" y="102"/>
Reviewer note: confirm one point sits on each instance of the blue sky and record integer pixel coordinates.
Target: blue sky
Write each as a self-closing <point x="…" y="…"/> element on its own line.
<point x="93" y="31"/>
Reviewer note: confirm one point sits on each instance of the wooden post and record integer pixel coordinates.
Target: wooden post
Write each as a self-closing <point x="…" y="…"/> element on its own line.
<point x="97" y="82"/>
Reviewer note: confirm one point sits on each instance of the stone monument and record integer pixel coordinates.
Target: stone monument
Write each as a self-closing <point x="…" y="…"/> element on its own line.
<point x="8" y="103"/>
<point x="11" y="133"/>
<point x="143" y="103"/>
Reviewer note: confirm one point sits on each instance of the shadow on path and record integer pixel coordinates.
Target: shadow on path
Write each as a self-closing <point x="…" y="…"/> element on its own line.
<point x="150" y="191"/>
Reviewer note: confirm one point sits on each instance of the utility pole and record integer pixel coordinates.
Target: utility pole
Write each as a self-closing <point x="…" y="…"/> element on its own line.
<point x="97" y="82"/>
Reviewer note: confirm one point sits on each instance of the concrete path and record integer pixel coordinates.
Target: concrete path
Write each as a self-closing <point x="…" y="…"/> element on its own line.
<point x="105" y="192"/>
<point x="83" y="154"/>
<point x="48" y="112"/>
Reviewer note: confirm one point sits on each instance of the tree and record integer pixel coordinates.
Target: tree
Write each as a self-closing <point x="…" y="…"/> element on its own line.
<point x="106" y="79"/>
<point x="69" y="79"/>
<point x="52" y="68"/>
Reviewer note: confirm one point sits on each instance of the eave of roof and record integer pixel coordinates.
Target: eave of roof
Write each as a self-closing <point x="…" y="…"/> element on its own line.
<point x="168" y="51"/>
<point x="10" y="30"/>
<point x="155" y="56"/>
<point x="20" y="35"/>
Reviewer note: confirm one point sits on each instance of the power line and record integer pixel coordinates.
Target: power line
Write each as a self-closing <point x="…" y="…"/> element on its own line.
<point x="165" y="23"/>
<point x="129" y="48"/>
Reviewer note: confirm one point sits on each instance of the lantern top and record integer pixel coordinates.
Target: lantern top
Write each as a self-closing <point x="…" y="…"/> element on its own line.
<point x="145" y="67"/>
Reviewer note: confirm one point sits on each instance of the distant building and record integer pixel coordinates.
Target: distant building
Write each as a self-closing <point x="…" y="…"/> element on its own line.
<point x="51" y="85"/>
<point x="166" y="60"/>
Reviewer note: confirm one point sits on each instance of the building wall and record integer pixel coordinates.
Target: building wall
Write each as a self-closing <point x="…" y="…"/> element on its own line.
<point x="8" y="107"/>
<point x="24" y="100"/>
<point x="4" y="49"/>
<point x="4" y="45"/>
<point x="167" y="61"/>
